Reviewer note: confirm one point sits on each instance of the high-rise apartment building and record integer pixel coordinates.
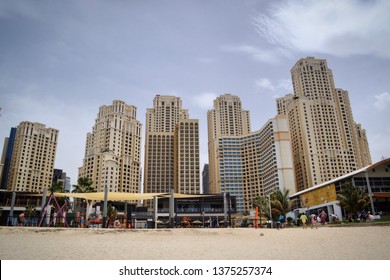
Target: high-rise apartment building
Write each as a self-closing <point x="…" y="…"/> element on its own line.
<point x="326" y="142"/>
<point x="113" y="150"/>
<point x="186" y="158"/>
<point x="227" y="118"/>
<point x="171" y="148"/>
<point x="275" y="163"/>
<point x="33" y="156"/>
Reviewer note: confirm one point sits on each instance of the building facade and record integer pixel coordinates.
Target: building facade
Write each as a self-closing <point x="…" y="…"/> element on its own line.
<point x="326" y="142"/>
<point x="113" y="150"/>
<point x="171" y="148"/>
<point x="33" y="156"/>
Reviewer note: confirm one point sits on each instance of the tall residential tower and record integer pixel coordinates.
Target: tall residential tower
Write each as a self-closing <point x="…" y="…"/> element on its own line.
<point x="113" y="150"/>
<point x="227" y="118"/>
<point x="33" y="156"/>
<point x="326" y="142"/>
<point x="171" y="148"/>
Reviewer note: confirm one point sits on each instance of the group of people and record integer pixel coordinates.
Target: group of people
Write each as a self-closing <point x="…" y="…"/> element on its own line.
<point x="315" y="219"/>
<point x="366" y="217"/>
<point x="321" y="218"/>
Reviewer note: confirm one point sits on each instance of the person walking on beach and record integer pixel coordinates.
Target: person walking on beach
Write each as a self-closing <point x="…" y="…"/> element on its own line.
<point x="21" y="219"/>
<point x="314" y="221"/>
<point x="303" y="219"/>
<point x="369" y="217"/>
<point x="280" y="222"/>
<point x="77" y="220"/>
<point x="323" y="216"/>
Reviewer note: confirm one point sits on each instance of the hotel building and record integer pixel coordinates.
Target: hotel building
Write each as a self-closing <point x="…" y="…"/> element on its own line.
<point x="227" y="118"/>
<point x="326" y="142"/>
<point x="248" y="164"/>
<point x="171" y="148"/>
<point x="32" y="158"/>
<point x="113" y="150"/>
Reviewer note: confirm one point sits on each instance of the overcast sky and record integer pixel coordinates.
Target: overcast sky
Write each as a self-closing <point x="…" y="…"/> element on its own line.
<point x="61" y="60"/>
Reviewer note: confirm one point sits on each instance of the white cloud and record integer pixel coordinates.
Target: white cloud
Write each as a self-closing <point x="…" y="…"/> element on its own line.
<point x="382" y="101"/>
<point x="283" y="86"/>
<point x="204" y="100"/>
<point x="334" y="27"/>
<point x="261" y="55"/>
<point x="265" y="83"/>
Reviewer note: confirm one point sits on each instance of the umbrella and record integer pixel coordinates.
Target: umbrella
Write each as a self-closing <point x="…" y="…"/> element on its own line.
<point x="197" y="222"/>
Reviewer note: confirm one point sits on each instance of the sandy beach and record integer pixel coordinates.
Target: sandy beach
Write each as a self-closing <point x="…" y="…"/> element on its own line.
<point x="325" y="243"/>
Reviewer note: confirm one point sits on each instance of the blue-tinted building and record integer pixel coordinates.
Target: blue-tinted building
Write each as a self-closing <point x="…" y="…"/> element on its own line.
<point x="8" y="148"/>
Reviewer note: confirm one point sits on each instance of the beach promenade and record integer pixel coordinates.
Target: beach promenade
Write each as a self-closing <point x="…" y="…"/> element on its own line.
<point x="324" y="243"/>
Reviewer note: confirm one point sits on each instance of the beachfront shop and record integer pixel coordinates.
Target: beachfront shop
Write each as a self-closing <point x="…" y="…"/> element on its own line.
<point x="374" y="180"/>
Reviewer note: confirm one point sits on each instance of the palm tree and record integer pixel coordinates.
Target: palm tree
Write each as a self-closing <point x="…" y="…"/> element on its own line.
<point x="263" y="205"/>
<point x="84" y="185"/>
<point x="281" y="203"/>
<point x="58" y="188"/>
<point x="111" y="214"/>
<point x="29" y="213"/>
<point x="353" y="200"/>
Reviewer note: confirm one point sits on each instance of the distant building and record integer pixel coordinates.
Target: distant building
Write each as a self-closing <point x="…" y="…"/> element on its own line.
<point x="326" y="141"/>
<point x="113" y="150"/>
<point x="60" y="176"/>
<point x="6" y="158"/>
<point x="57" y="176"/>
<point x="33" y="155"/>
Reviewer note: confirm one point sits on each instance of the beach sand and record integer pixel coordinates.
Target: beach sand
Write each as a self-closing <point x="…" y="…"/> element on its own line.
<point x="324" y="243"/>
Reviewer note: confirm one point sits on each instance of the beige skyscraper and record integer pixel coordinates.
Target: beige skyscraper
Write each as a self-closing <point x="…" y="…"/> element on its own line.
<point x="187" y="170"/>
<point x="113" y="150"/>
<point x="33" y="157"/>
<point x="227" y="118"/>
<point x="326" y="142"/>
<point x="171" y="148"/>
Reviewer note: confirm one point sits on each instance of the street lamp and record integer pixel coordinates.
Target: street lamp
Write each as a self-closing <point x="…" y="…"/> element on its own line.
<point x="203" y="217"/>
<point x="270" y="209"/>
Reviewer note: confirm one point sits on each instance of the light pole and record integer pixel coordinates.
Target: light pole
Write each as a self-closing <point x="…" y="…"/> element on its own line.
<point x="270" y="209"/>
<point x="203" y="217"/>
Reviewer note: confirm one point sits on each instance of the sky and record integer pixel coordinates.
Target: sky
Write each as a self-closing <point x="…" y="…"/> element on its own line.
<point x="61" y="60"/>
